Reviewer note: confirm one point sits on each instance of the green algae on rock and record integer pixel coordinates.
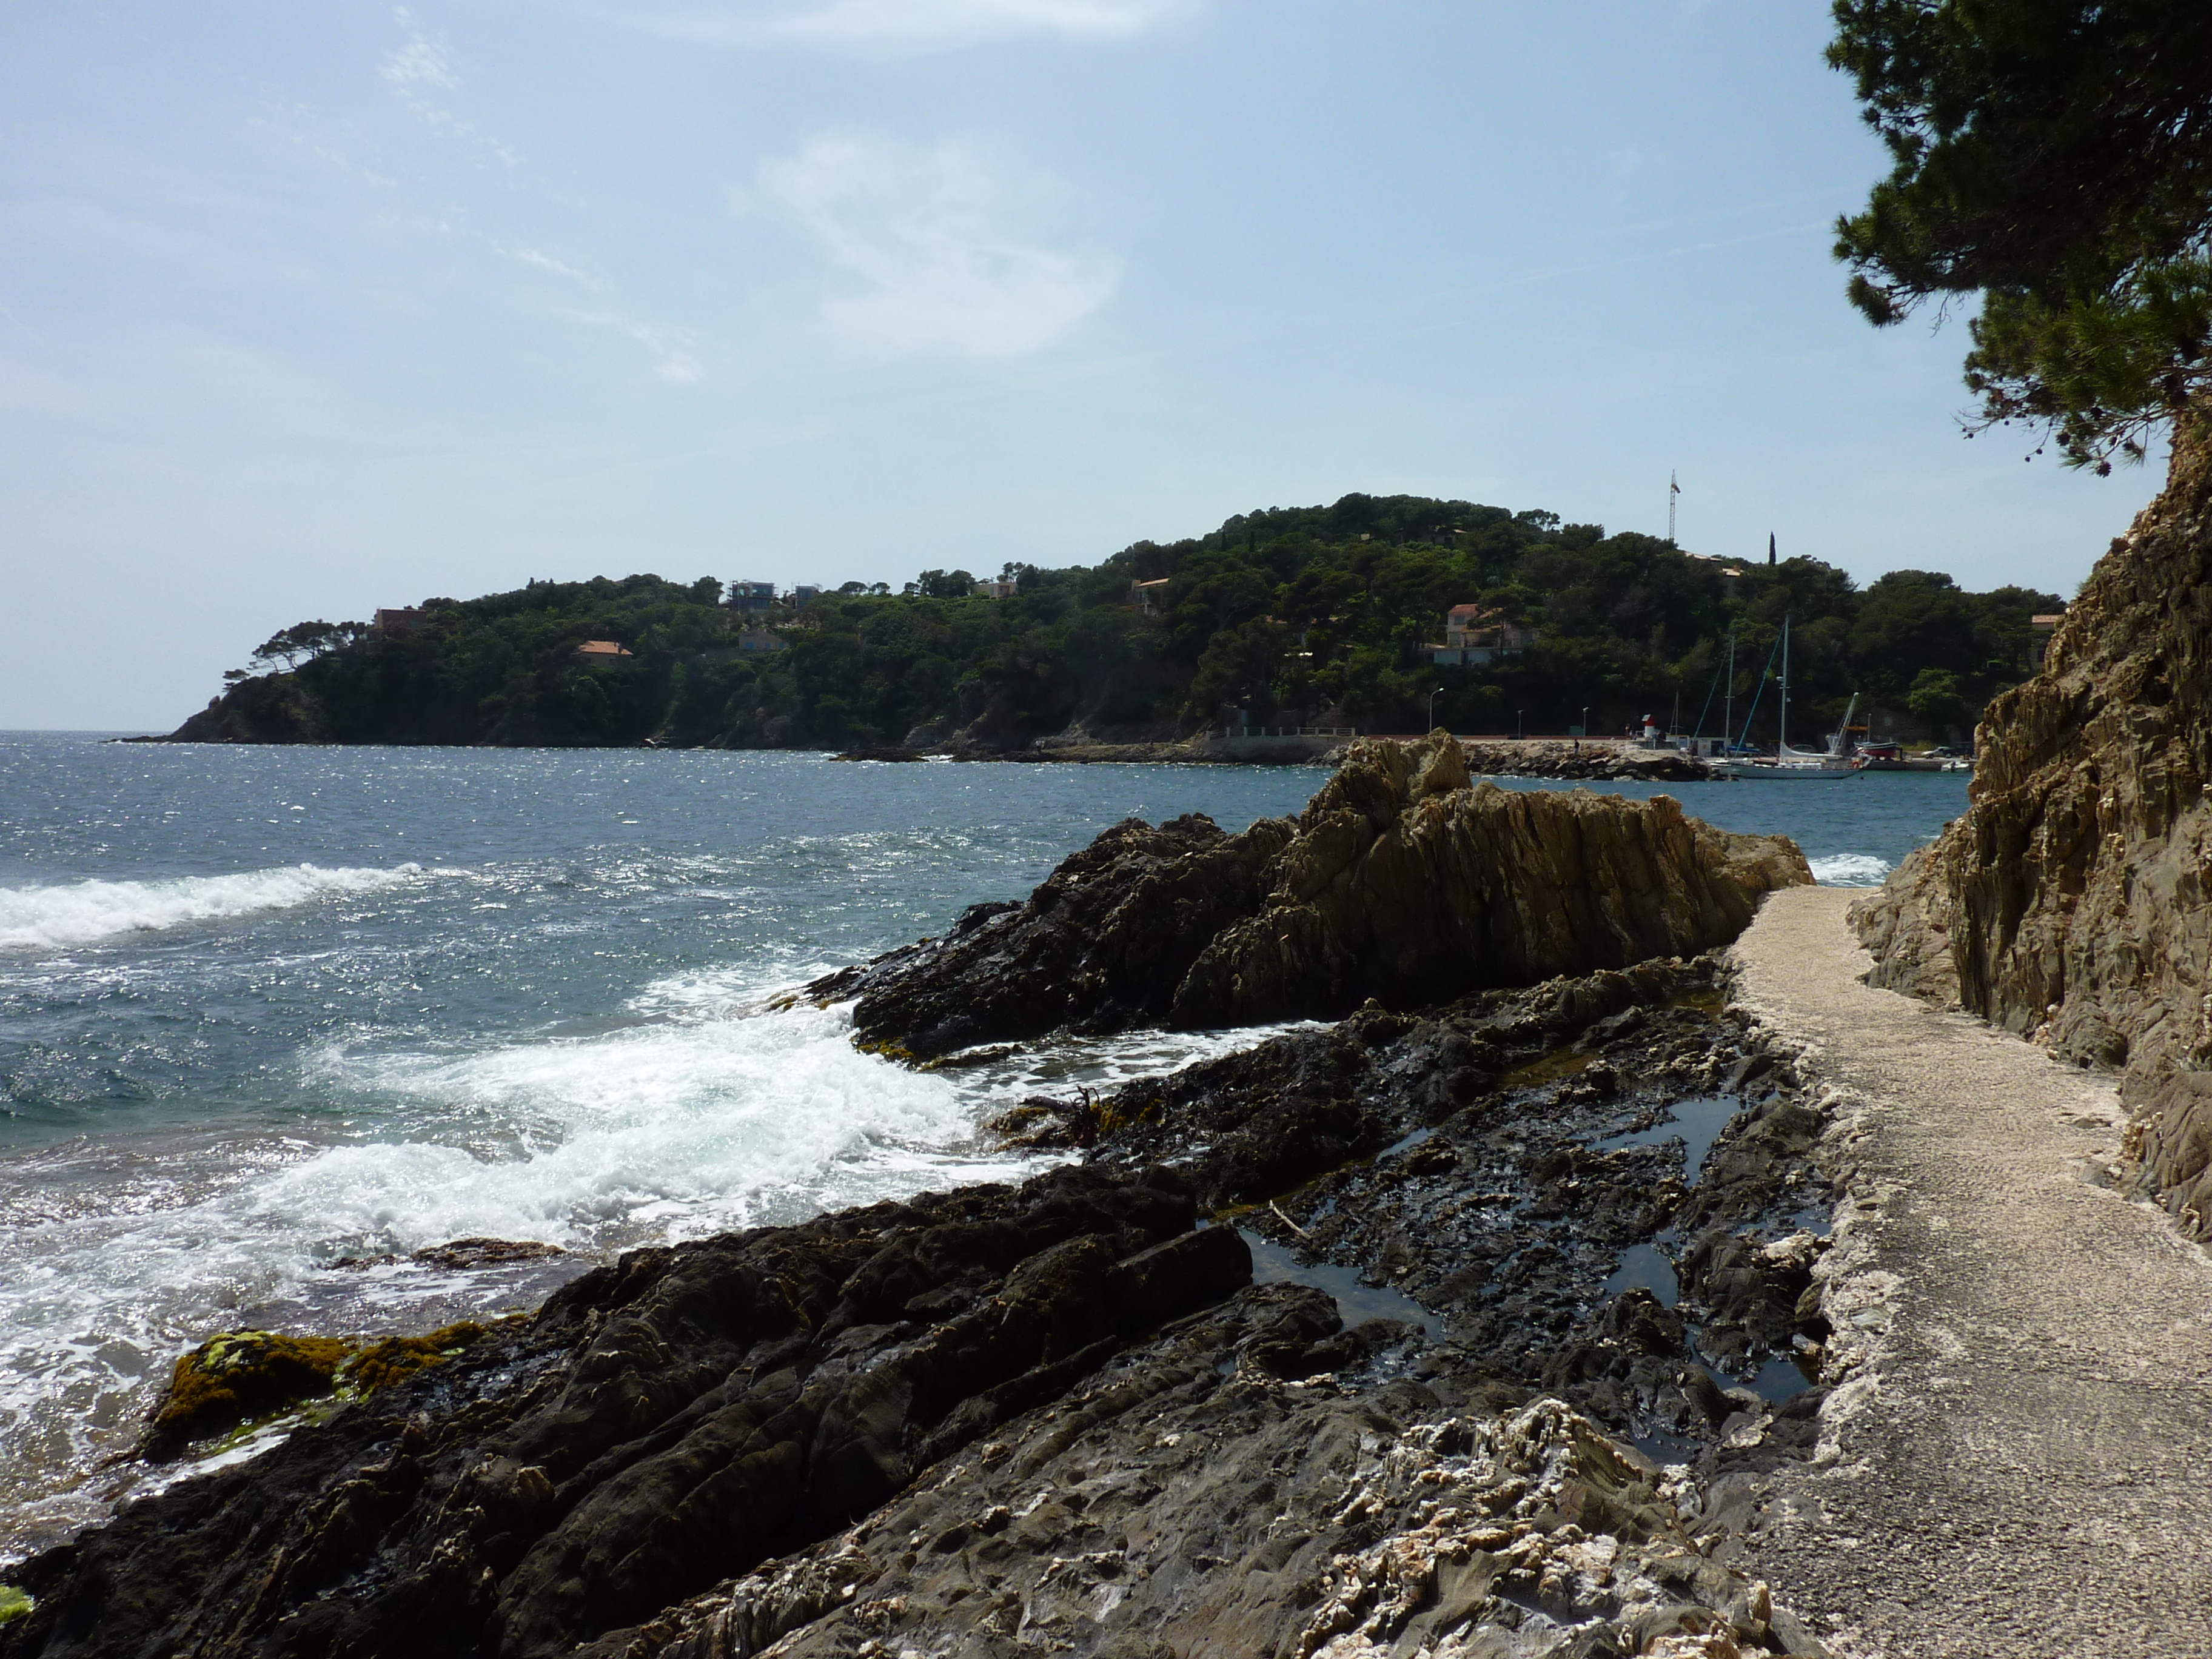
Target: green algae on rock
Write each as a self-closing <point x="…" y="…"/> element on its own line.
<point x="236" y="1377"/>
<point x="241" y="1375"/>
<point x="382" y="1364"/>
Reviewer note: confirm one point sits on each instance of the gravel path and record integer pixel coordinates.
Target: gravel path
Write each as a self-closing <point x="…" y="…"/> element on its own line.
<point x="2021" y="1466"/>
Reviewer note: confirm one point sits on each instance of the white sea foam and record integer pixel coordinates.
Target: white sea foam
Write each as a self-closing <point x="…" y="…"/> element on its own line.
<point x="1849" y="870"/>
<point x="671" y="1127"/>
<point x="82" y="913"/>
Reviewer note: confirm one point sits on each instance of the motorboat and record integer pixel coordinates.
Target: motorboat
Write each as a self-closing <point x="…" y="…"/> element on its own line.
<point x="1892" y="757"/>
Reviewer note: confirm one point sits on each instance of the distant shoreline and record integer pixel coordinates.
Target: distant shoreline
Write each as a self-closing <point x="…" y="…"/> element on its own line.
<point x="1590" y="759"/>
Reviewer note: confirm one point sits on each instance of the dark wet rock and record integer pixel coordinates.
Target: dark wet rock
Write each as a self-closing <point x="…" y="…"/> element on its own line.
<point x="1062" y="1416"/>
<point x="1456" y="1160"/>
<point x="1193" y="1502"/>
<point x="1401" y="883"/>
<point x="663" y="1423"/>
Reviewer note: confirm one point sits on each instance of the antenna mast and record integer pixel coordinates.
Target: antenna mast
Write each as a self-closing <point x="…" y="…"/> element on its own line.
<point x="1672" y="490"/>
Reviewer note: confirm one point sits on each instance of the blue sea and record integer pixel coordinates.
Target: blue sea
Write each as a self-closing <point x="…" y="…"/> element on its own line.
<point x="272" y="1018"/>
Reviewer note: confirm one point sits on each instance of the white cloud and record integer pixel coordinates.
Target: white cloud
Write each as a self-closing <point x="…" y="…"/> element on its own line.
<point x="928" y="260"/>
<point x="420" y="63"/>
<point x="894" y="25"/>
<point x="671" y="348"/>
<point x="546" y="262"/>
<point x="421" y="70"/>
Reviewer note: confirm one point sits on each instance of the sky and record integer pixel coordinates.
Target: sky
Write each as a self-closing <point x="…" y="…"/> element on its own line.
<point x="308" y="310"/>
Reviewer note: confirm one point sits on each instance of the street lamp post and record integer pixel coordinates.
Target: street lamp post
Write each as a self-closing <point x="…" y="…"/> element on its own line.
<point x="1586" y="731"/>
<point x="1433" y="695"/>
<point x="1519" y="724"/>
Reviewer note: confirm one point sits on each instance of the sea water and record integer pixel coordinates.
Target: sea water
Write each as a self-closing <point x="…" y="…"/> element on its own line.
<point x="270" y="1019"/>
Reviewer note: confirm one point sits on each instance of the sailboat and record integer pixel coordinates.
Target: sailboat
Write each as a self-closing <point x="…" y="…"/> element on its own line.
<point x="1798" y="765"/>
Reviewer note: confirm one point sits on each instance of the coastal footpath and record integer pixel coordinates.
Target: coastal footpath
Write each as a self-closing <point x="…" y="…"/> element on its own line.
<point x="2016" y="1465"/>
<point x="2070" y="903"/>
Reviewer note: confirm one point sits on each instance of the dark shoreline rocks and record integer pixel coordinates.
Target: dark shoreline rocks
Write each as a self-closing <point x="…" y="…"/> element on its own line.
<point x="1529" y="758"/>
<point x="1058" y="1417"/>
<point x="663" y="1422"/>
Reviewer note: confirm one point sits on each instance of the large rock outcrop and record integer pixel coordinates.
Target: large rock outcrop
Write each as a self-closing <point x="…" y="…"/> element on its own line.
<point x="1402" y="882"/>
<point x="2070" y="900"/>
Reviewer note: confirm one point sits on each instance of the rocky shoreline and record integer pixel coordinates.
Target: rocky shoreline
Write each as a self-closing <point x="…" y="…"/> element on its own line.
<point x="1533" y="758"/>
<point x="1441" y="1328"/>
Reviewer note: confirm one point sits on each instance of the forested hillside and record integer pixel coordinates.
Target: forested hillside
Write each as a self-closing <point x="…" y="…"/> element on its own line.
<point x="1308" y="615"/>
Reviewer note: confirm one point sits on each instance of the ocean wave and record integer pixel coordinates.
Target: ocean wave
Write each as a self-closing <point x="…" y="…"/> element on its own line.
<point x="664" y="1130"/>
<point x="1849" y="870"/>
<point x="86" y="912"/>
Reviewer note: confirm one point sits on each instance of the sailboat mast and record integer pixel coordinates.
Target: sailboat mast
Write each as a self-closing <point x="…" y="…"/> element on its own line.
<point x="1727" y="702"/>
<point x="1782" y="744"/>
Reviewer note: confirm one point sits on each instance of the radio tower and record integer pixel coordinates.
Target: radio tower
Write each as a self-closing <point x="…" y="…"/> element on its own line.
<point x="1672" y="490"/>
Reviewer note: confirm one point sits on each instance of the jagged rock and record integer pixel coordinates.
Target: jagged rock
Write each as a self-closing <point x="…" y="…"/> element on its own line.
<point x="661" y="1424"/>
<point x="2070" y="900"/>
<point x="1405" y="884"/>
<point x="1401" y="882"/>
<point x="1100" y="946"/>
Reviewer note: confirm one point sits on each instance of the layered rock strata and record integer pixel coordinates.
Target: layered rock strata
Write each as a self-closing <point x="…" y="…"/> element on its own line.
<point x="1401" y="882"/>
<point x="2069" y="902"/>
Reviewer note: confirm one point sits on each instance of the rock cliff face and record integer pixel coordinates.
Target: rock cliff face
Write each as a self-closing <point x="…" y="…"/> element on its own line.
<point x="1401" y="882"/>
<point x="2069" y="900"/>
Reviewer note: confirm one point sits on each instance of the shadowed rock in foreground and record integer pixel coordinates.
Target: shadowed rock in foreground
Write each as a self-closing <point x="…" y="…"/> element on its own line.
<point x="1401" y="882"/>
<point x="659" y="1425"/>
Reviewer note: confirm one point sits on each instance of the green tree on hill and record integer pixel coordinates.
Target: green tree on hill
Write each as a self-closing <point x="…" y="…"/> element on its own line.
<point x="1292" y="615"/>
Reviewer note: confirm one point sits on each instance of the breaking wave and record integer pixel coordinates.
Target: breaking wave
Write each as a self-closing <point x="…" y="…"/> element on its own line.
<point x="1849" y="870"/>
<point x="85" y="912"/>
